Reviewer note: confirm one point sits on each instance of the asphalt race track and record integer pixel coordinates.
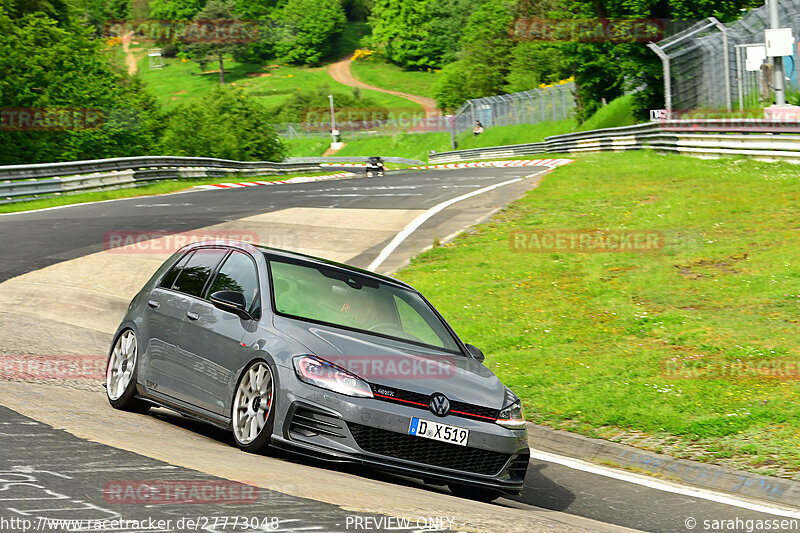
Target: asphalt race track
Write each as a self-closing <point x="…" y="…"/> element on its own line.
<point x="63" y="445"/>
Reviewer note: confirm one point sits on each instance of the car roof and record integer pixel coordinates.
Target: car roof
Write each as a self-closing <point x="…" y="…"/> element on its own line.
<point x="300" y="257"/>
<point x="310" y="259"/>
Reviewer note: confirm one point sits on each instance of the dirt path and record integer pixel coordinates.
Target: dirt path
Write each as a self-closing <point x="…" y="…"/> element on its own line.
<point x="130" y="59"/>
<point x="340" y="71"/>
<point x="331" y="151"/>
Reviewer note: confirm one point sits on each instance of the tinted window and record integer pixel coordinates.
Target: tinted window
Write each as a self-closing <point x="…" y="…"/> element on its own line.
<point x="194" y="275"/>
<point x="172" y="275"/>
<point x="238" y="273"/>
<point x="343" y="298"/>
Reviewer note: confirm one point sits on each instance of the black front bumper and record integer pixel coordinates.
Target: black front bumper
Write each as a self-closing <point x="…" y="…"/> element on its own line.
<point x="323" y="434"/>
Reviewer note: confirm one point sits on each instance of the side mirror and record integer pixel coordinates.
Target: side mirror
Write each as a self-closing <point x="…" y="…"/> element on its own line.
<point x="230" y="301"/>
<point x="475" y="352"/>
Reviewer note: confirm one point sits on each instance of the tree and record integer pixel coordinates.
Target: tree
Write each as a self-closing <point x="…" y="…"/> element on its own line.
<point x="401" y="30"/>
<point x="223" y="124"/>
<point x="448" y="18"/>
<point x="311" y="28"/>
<point x="358" y="10"/>
<point x="313" y="106"/>
<point x="175" y="9"/>
<point x="604" y="70"/>
<point x="215" y="12"/>
<point x="98" y="12"/>
<point x="485" y="57"/>
<point x="54" y="64"/>
<point x="535" y="63"/>
<point x="420" y="33"/>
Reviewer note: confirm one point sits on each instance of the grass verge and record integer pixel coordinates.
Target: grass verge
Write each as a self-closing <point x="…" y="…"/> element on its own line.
<point x="616" y="113"/>
<point x="381" y="74"/>
<point x="419" y="145"/>
<point x="689" y="350"/>
<point x="517" y="134"/>
<point x="411" y="145"/>
<point x="273" y="84"/>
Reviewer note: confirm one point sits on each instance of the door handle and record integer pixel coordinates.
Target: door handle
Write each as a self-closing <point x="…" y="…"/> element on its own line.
<point x="192" y="316"/>
<point x="153" y="304"/>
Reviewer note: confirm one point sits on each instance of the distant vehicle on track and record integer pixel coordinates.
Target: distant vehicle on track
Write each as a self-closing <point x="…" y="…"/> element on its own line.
<point x="319" y="358"/>
<point x="375" y="167"/>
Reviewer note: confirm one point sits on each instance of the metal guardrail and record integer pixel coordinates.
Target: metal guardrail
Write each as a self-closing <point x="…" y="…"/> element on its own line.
<point x="756" y="138"/>
<point x="351" y="159"/>
<point x="72" y="168"/>
<point x="761" y="139"/>
<point x="25" y="182"/>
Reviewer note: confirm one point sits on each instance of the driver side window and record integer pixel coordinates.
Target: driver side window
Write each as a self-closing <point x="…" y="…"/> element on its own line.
<point x="238" y="274"/>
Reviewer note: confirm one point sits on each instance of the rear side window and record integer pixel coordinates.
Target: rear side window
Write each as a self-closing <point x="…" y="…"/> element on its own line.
<point x="238" y="273"/>
<point x="195" y="274"/>
<point x="172" y="275"/>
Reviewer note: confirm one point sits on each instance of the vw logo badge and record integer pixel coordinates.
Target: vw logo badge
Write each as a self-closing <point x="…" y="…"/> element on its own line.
<point x="439" y="404"/>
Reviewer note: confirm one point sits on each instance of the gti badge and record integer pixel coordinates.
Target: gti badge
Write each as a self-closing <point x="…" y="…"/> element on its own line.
<point x="439" y="404"/>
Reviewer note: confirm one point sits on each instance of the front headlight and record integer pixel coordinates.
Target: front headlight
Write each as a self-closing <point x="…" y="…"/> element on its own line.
<point x="321" y="373"/>
<point x="511" y="416"/>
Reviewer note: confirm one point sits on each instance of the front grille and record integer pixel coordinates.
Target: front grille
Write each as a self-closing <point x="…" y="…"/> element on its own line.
<point x="311" y="423"/>
<point x="426" y="451"/>
<point x="420" y="401"/>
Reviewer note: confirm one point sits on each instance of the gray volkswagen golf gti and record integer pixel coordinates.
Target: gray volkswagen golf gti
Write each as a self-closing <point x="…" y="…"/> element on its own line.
<point x="319" y="358"/>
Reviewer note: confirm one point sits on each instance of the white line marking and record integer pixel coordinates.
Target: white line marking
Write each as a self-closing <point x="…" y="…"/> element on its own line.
<point x="128" y="198"/>
<point x="422" y="218"/>
<point x="662" y="485"/>
<point x="121" y="469"/>
<point x="360" y="195"/>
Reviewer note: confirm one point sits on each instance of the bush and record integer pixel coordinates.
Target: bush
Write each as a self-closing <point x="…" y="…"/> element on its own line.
<point x="50" y="65"/>
<point x="223" y="124"/>
<point x="314" y="106"/>
<point x="312" y="28"/>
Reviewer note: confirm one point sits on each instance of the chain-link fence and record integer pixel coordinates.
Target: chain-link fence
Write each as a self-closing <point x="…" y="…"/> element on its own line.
<point x="364" y="128"/>
<point x="529" y="107"/>
<point x="711" y="65"/>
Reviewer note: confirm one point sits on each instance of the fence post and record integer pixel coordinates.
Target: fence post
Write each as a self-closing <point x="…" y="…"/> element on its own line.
<point x="725" y="60"/>
<point x="667" y="81"/>
<point x="739" y="77"/>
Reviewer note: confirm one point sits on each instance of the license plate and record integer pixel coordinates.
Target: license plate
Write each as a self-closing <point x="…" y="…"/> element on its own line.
<point x="437" y="431"/>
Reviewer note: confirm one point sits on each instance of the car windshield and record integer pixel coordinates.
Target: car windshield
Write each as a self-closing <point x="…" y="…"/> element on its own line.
<point x="341" y="298"/>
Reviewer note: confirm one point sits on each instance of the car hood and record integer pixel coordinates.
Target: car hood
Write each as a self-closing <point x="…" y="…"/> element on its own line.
<point x="399" y="365"/>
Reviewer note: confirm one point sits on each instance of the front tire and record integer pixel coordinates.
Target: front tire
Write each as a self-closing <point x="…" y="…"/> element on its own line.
<point x="121" y="374"/>
<point x="253" y="410"/>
